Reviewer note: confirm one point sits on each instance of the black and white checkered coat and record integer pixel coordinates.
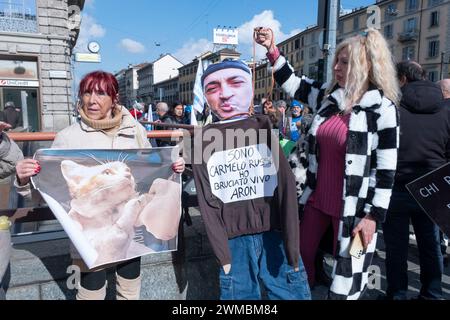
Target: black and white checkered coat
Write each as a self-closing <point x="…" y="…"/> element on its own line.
<point x="370" y="163"/>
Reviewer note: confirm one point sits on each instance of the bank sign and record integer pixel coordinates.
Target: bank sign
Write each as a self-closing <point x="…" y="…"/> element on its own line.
<point x="432" y="192"/>
<point x="18" y="83"/>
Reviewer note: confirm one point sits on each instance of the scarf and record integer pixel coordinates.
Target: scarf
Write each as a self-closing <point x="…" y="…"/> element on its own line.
<point x="109" y="126"/>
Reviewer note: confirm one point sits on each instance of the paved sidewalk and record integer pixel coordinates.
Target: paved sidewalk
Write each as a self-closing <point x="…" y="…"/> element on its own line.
<point x="320" y="292"/>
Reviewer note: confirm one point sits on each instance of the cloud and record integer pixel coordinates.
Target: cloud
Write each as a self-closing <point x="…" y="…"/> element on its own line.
<point x="193" y="48"/>
<point x="264" y="19"/>
<point x="132" y="46"/>
<point x="89" y="30"/>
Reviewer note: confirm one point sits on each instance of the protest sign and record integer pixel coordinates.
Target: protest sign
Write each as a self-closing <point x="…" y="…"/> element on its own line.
<point x="432" y="192"/>
<point x="114" y="205"/>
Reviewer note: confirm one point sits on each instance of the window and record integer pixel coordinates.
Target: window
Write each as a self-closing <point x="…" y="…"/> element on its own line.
<point x="292" y="46"/>
<point x="433" y="48"/>
<point x="312" y="52"/>
<point x="391" y="11"/>
<point x="409" y="53"/>
<point x="433" y="76"/>
<point x="355" y="23"/>
<point x="434" y="21"/>
<point x="313" y="38"/>
<point x="410" y="25"/>
<point x="312" y="71"/>
<point x="297" y="44"/>
<point x="303" y="41"/>
<point x="411" y="5"/>
<point x="341" y="27"/>
<point x="302" y="55"/>
<point x="19" y="16"/>
<point x="389" y="31"/>
<point x="432" y="3"/>
<point x="296" y="56"/>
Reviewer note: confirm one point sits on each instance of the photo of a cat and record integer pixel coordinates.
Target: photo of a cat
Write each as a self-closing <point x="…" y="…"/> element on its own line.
<point x="120" y="204"/>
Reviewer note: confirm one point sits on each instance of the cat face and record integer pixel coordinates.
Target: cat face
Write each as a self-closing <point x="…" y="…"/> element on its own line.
<point x="111" y="181"/>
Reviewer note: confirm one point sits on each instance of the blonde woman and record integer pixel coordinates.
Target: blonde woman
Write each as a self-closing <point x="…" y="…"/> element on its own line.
<point x="355" y="131"/>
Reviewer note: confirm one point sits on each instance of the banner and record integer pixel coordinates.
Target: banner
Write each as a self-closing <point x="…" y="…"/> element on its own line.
<point x="432" y="193"/>
<point x="114" y="205"/>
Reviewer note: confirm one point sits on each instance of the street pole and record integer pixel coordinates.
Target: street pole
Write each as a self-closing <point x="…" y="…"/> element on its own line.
<point x="333" y="14"/>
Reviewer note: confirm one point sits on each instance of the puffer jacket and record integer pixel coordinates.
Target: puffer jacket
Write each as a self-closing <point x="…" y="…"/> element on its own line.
<point x="10" y="153"/>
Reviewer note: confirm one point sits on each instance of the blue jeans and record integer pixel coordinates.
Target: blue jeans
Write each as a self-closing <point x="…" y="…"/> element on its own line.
<point x="261" y="257"/>
<point x="396" y="236"/>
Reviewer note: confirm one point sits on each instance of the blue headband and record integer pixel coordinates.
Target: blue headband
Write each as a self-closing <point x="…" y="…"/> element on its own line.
<point x="225" y="64"/>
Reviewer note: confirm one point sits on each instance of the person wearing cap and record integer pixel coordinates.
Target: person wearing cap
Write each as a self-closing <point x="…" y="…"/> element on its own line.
<point x="11" y="115"/>
<point x="254" y="236"/>
<point x="228" y="88"/>
<point x="294" y="121"/>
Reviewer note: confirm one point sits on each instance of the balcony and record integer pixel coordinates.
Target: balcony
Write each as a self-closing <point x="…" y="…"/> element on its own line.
<point x="409" y="36"/>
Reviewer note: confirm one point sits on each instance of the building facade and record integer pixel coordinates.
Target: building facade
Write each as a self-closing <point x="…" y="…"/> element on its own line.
<point x="167" y="90"/>
<point x="164" y="68"/>
<point x="415" y="29"/>
<point x="36" y="42"/>
<point x="120" y="76"/>
<point x="145" y="79"/>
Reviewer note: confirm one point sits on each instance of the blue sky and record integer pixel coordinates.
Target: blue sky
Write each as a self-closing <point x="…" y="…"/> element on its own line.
<point x="128" y="31"/>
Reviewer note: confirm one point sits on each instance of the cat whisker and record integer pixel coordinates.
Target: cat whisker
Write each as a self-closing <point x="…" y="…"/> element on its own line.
<point x="93" y="158"/>
<point x="125" y="158"/>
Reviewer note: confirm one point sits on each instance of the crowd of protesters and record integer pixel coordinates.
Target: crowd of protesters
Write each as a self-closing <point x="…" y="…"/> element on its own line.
<point x="349" y="148"/>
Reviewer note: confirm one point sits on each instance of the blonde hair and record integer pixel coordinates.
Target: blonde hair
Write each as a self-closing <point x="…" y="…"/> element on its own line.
<point x="370" y="61"/>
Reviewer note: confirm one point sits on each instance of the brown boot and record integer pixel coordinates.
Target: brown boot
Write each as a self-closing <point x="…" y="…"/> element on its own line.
<point x="85" y="294"/>
<point x="128" y="289"/>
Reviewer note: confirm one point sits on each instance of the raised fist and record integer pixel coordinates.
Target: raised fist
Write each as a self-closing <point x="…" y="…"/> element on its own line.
<point x="264" y="37"/>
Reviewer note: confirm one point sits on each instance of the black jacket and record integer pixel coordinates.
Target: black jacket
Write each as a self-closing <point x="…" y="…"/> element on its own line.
<point x="424" y="131"/>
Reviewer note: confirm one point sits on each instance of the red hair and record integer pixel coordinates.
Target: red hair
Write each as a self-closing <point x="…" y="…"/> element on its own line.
<point x="99" y="81"/>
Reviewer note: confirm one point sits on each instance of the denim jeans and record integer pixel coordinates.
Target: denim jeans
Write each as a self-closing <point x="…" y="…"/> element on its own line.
<point x="261" y="257"/>
<point x="396" y="236"/>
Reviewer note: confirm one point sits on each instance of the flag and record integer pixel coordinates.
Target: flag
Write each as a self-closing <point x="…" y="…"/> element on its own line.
<point x="150" y="113"/>
<point x="149" y="118"/>
<point x="199" y="99"/>
<point x="193" y="118"/>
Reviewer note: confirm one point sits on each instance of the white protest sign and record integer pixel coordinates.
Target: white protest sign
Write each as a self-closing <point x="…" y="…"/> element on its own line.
<point x="242" y="174"/>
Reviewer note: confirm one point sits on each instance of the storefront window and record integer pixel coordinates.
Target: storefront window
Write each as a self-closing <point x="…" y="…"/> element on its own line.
<point x="19" y="93"/>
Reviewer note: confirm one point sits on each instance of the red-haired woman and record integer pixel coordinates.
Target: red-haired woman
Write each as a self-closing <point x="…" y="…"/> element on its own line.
<point x="104" y="125"/>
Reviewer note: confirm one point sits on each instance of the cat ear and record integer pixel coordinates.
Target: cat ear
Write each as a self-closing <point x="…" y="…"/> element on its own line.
<point x="71" y="172"/>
